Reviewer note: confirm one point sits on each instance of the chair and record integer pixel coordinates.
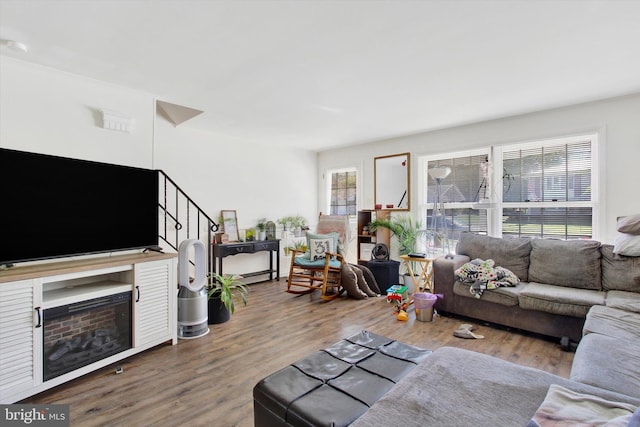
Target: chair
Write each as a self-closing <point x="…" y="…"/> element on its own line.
<point x="320" y="267"/>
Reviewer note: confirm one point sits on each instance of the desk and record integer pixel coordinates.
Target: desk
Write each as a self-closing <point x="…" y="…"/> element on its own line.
<point x="222" y="250"/>
<point x="426" y="272"/>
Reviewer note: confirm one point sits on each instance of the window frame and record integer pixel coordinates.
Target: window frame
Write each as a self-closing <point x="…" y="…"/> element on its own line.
<point x="495" y="204"/>
<point x="425" y="181"/>
<point x="329" y="187"/>
<point x="499" y="151"/>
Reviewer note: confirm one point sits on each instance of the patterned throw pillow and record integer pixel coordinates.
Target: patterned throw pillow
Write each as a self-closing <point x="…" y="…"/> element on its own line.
<point x="319" y="247"/>
<point x="313" y="247"/>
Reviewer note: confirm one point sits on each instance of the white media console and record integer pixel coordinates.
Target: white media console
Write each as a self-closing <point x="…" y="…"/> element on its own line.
<point x="148" y="281"/>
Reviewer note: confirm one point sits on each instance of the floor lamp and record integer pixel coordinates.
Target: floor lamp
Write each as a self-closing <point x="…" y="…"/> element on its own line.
<point x="438" y="227"/>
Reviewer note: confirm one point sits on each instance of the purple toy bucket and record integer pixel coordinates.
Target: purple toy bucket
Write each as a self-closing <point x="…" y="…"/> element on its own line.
<point x="424" y="302"/>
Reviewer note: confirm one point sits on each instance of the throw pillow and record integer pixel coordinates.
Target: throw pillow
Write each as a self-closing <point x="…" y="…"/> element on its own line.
<point x="627" y="245"/>
<point x="362" y="282"/>
<point x="319" y="247"/>
<point x="332" y="236"/>
<point x="629" y="224"/>
<point x="566" y="407"/>
<point x="350" y="283"/>
<point x="370" y="278"/>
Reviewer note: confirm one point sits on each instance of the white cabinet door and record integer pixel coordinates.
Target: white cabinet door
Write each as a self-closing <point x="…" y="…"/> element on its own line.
<point x="155" y="302"/>
<point x="20" y="338"/>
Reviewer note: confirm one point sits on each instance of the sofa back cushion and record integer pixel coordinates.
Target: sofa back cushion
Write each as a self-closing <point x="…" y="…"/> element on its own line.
<point x="512" y="254"/>
<point x="571" y="263"/>
<point x="620" y="273"/>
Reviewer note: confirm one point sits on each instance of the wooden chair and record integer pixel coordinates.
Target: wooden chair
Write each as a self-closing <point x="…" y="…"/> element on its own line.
<point x="320" y="267"/>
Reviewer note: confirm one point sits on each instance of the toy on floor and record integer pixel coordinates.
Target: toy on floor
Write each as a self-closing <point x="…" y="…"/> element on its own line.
<point x="397" y="295"/>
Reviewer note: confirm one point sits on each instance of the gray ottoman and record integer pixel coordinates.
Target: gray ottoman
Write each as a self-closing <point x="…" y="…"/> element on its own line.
<point x="334" y="386"/>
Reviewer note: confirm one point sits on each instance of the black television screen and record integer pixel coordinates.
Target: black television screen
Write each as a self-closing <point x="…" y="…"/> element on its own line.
<point x="57" y="207"/>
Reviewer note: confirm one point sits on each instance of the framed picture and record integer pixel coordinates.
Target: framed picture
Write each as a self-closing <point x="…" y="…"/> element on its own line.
<point x="230" y="223"/>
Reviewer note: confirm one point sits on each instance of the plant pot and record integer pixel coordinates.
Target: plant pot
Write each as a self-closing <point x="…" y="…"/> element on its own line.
<point x="217" y="312"/>
<point x="262" y="235"/>
<point x="408" y="282"/>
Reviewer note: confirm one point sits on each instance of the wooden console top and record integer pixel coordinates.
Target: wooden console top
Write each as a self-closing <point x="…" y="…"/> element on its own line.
<point x="64" y="267"/>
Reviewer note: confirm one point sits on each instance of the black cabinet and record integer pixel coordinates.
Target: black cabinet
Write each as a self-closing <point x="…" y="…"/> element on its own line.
<point x="222" y="250"/>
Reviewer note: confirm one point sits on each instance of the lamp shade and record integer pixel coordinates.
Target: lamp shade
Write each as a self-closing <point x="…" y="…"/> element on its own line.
<point x="440" y="173"/>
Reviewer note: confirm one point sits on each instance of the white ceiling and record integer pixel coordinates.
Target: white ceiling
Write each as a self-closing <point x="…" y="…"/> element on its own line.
<point x="322" y="74"/>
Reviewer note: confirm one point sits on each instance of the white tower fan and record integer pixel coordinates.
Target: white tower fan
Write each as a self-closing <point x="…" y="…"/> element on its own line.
<point x="192" y="295"/>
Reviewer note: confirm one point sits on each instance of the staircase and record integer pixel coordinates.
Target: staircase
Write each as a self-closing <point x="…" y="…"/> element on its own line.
<point x="181" y="218"/>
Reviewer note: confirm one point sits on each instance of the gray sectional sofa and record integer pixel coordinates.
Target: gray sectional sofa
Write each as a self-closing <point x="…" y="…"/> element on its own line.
<point x="456" y="387"/>
<point x="559" y="282"/>
<point x="578" y="289"/>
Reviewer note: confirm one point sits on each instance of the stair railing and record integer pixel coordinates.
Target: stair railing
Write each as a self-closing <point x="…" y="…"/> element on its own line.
<point x="179" y="212"/>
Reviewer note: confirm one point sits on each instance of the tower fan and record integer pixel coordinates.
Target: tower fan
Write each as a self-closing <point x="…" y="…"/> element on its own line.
<point x="192" y="295"/>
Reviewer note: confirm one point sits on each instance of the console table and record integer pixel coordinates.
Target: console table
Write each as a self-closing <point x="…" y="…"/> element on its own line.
<point x="222" y="250"/>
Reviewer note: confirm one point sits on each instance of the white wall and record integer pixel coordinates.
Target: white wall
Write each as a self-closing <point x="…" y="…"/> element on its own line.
<point x="52" y="112"/>
<point x="617" y="121"/>
<point x="47" y="111"/>
<point x="254" y="180"/>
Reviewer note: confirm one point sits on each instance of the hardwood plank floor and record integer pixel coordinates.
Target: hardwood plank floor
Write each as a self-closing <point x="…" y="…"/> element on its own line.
<point x="209" y="381"/>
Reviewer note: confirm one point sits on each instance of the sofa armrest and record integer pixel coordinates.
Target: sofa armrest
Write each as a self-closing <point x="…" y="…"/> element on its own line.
<point x="444" y="278"/>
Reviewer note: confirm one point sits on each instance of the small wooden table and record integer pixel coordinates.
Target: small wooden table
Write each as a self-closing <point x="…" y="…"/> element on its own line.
<point x="422" y="281"/>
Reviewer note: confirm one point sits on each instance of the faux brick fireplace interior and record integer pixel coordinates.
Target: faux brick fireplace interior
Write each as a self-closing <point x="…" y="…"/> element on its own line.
<point x="81" y="333"/>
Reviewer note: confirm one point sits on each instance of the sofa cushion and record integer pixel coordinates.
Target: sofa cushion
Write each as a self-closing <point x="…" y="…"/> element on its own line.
<point x="505" y="295"/>
<point x="512" y="254"/>
<point x="572" y="263"/>
<point x="608" y="363"/>
<point x="559" y="299"/>
<point x="629" y="301"/>
<point x="619" y="272"/>
<point x="612" y="322"/>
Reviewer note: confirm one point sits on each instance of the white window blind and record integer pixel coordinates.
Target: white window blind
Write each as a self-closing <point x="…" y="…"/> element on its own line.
<point x="546" y="190"/>
<point x="467" y="183"/>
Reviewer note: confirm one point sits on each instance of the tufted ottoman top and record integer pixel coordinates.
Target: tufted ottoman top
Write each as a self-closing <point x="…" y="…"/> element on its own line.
<point x="334" y="386"/>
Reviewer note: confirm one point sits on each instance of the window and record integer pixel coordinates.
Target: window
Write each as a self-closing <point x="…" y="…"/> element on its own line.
<point x="467" y="184"/>
<point x="547" y="192"/>
<point x="343" y="193"/>
<point x="540" y="189"/>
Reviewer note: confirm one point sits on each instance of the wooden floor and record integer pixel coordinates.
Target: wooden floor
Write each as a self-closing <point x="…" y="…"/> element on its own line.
<point x="209" y="380"/>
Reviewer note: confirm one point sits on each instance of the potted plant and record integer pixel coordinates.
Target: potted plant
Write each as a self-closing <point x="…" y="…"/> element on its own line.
<point x="285" y="221"/>
<point x="298" y="222"/>
<point x="406" y="229"/>
<point x="222" y="291"/>
<point x="262" y="228"/>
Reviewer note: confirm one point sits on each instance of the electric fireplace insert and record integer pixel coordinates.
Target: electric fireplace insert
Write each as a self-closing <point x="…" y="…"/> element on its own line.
<point x="83" y="332"/>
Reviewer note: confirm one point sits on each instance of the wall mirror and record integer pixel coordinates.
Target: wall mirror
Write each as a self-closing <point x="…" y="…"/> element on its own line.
<point x="391" y="180"/>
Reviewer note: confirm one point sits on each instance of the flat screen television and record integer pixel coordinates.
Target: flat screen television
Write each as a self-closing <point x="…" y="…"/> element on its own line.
<point x="53" y="207"/>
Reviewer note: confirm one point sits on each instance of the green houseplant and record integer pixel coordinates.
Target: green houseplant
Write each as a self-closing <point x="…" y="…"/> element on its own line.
<point x="262" y="228"/>
<point x="222" y="292"/>
<point x="407" y="230"/>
